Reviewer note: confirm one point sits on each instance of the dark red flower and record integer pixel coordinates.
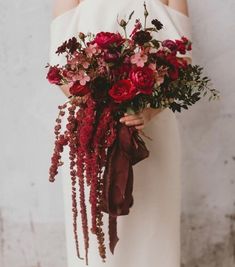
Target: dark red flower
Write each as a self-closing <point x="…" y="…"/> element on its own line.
<point x="174" y="74"/>
<point x="123" y="70"/>
<point x="142" y="37"/>
<point x="73" y="45"/>
<point x="181" y="47"/>
<point x="158" y="25"/>
<point x="110" y="57"/>
<point x="54" y="76"/>
<point x="172" y="59"/>
<point x="170" y="45"/>
<point x="107" y="39"/>
<point x="79" y="90"/>
<point x="122" y="90"/>
<point x="143" y="79"/>
<point x="174" y="66"/>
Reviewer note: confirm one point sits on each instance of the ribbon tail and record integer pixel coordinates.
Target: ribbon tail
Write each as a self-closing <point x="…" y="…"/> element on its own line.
<point x="113" y="238"/>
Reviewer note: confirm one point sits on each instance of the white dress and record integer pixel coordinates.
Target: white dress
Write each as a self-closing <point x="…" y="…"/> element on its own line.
<point x="149" y="235"/>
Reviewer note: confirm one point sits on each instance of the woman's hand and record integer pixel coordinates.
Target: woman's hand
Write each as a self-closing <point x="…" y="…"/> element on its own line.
<point x="141" y="119"/>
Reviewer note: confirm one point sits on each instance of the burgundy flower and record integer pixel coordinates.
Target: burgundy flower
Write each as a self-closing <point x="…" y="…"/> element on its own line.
<point x="54" y="76"/>
<point x="123" y="90"/>
<point x="170" y="45"/>
<point x="174" y="74"/>
<point x="61" y="49"/>
<point x="110" y="57"/>
<point x="79" y="90"/>
<point x="141" y="37"/>
<point x="143" y="79"/>
<point x="180" y="46"/>
<point x="158" y="25"/>
<point x="107" y="39"/>
<point x="122" y="70"/>
<point x="73" y="45"/>
<point x="174" y="67"/>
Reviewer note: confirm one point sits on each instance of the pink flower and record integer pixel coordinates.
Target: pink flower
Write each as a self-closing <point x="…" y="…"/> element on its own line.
<point x="82" y="77"/>
<point x="152" y="66"/>
<point x="139" y="59"/>
<point x="136" y="28"/>
<point x="92" y="49"/>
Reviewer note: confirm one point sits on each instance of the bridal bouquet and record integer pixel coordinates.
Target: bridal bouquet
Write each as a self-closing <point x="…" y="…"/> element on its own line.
<point x="109" y="74"/>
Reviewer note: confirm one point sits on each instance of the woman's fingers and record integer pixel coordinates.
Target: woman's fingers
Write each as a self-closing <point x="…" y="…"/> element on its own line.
<point x="140" y="127"/>
<point x="134" y="122"/>
<point x="130" y="118"/>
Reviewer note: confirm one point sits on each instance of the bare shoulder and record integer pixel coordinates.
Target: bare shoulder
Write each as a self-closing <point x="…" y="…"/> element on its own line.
<point x="61" y="6"/>
<point x="179" y="5"/>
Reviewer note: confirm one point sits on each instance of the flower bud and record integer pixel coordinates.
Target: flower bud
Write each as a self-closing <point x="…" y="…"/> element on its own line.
<point x="81" y="36"/>
<point x="123" y="23"/>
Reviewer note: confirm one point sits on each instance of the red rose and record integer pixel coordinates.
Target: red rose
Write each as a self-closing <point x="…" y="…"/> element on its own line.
<point x="79" y="90"/>
<point x="143" y="79"/>
<point x="105" y="39"/>
<point x="180" y="46"/>
<point x="54" y="76"/>
<point x="122" y="90"/>
<point x="172" y="59"/>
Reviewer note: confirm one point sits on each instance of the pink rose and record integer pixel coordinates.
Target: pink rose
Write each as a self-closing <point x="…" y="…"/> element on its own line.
<point x="54" y="76"/>
<point x="143" y="79"/>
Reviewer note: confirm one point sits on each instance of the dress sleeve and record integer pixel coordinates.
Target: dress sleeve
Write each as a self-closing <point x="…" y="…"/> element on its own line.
<point x="62" y="28"/>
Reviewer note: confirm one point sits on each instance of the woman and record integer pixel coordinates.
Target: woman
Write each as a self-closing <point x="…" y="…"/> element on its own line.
<point x="150" y="234"/>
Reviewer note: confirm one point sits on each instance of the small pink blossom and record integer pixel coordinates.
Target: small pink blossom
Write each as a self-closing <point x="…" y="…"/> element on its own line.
<point x="152" y="66"/>
<point x="85" y="64"/>
<point x="82" y="77"/>
<point x="139" y="59"/>
<point x="160" y="75"/>
<point x="92" y="49"/>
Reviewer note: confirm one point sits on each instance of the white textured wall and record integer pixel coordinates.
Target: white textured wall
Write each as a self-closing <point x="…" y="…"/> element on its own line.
<point x="208" y="219"/>
<point x="31" y="208"/>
